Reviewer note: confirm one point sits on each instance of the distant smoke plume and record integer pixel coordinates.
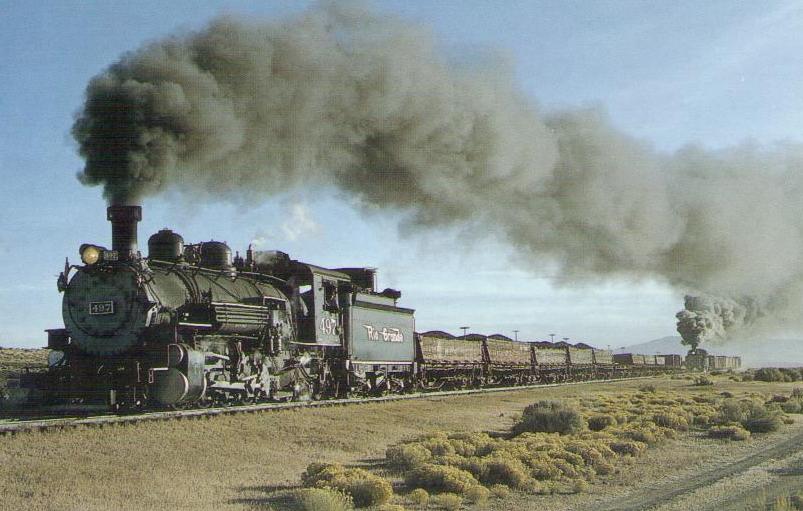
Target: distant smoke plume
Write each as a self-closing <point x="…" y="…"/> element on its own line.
<point x="340" y="96"/>
<point x="707" y="318"/>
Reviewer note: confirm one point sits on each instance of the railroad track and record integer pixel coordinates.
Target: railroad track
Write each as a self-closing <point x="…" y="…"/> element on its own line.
<point x="12" y="426"/>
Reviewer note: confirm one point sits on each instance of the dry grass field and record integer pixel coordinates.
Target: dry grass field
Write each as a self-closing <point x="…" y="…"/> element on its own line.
<point x="244" y="462"/>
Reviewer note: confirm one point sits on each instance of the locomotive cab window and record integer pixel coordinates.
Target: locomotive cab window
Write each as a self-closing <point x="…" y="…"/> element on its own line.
<point x="330" y="296"/>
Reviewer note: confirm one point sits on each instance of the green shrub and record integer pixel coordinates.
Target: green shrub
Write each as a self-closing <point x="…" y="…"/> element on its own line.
<point x="703" y="381"/>
<point x="757" y="417"/>
<point x="478" y="495"/>
<point x="370" y="491"/>
<point x="591" y="452"/>
<point x="449" y="501"/>
<point x="507" y="471"/>
<point x="500" y="491"/>
<point x="768" y="374"/>
<point x="550" y="417"/>
<point x="567" y="469"/>
<point x="790" y="373"/>
<point x="472" y="444"/>
<point x="543" y="469"/>
<point x="407" y="456"/>
<point x="438" y="446"/>
<point x="731" y="410"/>
<point x="628" y="447"/>
<point x="603" y="468"/>
<point x="729" y="432"/>
<point x="419" y="497"/>
<point x="644" y="433"/>
<point x="600" y="421"/>
<point x="671" y="421"/>
<point x="579" y="486"/>
<point x="792" y="406"/>
<point x="440" y="478"/>
<point x="365" y="488"/>
<point x="322" y="499"/>
<point x="650" y="388"/>
<point x="474" y="465"/>
<point x="762" y="424"/>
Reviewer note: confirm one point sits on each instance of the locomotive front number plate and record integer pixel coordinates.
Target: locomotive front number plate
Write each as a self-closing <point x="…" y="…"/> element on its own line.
<point x="96" y="308"/>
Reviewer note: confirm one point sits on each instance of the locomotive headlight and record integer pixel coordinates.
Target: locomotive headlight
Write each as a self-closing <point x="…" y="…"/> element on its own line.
<point x="90" y="254"/>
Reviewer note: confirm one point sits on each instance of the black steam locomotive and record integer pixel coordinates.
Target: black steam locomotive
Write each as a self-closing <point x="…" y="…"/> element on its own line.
<point x="192" y="324"/>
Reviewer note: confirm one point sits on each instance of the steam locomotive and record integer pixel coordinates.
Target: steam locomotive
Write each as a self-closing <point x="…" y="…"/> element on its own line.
<point x="190" y="324"/>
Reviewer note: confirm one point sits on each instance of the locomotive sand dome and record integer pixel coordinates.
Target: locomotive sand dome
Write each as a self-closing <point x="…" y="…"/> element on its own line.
<point x="165" y="245"/>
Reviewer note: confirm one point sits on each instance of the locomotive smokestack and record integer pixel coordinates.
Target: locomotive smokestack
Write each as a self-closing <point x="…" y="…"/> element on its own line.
<point x="124" y="229"/>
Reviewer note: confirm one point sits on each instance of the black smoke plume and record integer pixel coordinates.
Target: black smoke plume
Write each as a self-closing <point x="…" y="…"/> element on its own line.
<point x="340" y="96"/>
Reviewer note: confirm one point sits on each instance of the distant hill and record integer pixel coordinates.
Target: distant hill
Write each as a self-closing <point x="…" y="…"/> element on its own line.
<point x="754" y="352"/>
<point x="662" y="346"/>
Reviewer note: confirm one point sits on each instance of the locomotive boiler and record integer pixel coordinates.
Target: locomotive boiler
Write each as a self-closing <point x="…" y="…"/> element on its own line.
<point x="189" y="323"/>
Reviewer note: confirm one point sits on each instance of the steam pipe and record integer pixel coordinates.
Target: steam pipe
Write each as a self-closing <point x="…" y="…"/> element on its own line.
<point x="124" y="229"/>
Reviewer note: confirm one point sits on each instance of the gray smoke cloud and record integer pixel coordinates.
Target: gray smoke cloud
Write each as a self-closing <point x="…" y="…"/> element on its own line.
<point x="343" y="97"/>
<point x="708" y="319"/>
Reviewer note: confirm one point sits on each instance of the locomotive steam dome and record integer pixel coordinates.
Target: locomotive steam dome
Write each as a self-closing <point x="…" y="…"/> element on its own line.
<point x="165" y="245"/>
<point x="105" y="312"/>
<point x="216" y="255"/>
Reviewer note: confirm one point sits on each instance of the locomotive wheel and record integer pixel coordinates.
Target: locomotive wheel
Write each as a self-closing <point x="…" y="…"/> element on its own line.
<point x="302" y="392"/>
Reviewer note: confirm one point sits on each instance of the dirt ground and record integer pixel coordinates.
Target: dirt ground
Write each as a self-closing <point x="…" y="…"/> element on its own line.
<point x="235" y="462"/>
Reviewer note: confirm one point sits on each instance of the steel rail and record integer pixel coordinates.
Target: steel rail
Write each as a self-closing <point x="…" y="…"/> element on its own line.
<point x="12" y="427"/>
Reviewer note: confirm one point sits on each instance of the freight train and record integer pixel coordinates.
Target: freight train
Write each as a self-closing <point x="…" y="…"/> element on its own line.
<point x="190" y="324"/>
<point x="699" y="360"/>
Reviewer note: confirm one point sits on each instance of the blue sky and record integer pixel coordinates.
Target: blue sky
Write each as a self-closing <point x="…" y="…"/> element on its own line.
<point x="713" y="73"/>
